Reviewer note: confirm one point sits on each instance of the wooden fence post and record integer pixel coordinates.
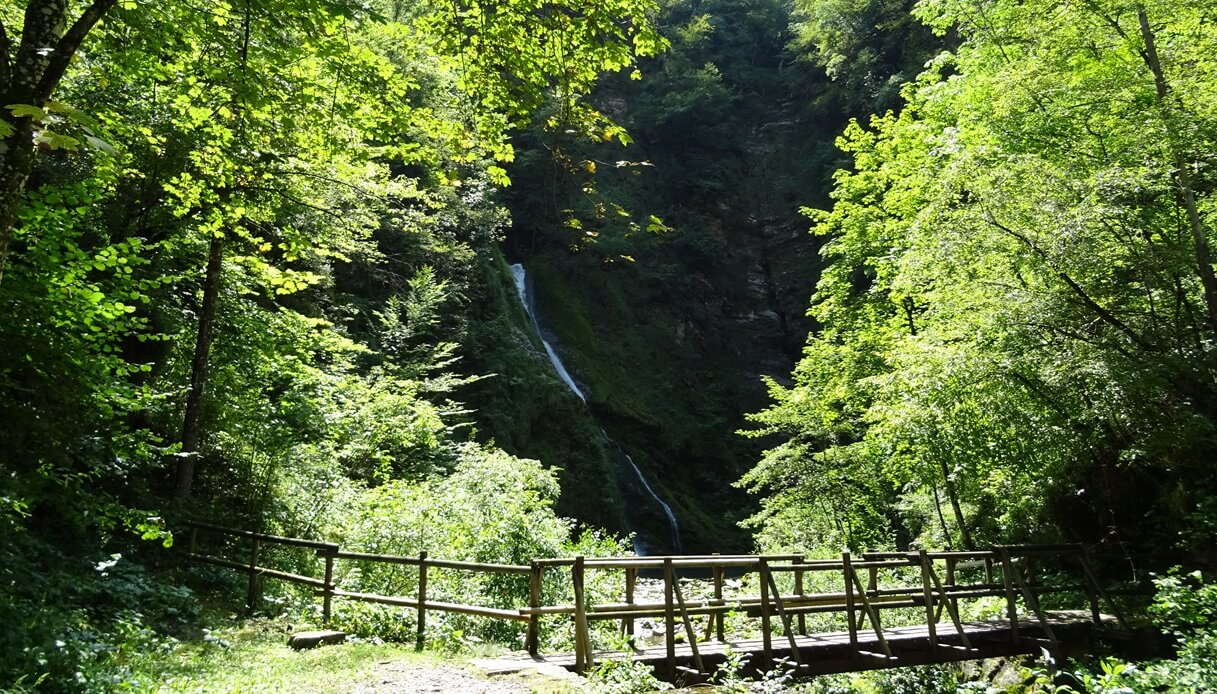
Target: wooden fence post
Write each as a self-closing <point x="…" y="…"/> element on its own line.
<point x="798" y="589"/>
<point x="583" y="655"/>
<point x="1092" y="595"/>
<point x="872" y="584"/>
<point x="627" y="623"/>
<point x="1007" y="575"/>
<point x="251" y="597"/>
<point x="718" y="618"/>
<point x="328" y="590"/>
<point x="1099" y="593"/>
<point x="766" y="639"/>
<point x="669" y="616"/>
<point x="850" y="616"/>
<point x="951" y="581"/>
<point x="420" y="636"/>
<point x="930" y="616"/>
<point x="534" y="602"/>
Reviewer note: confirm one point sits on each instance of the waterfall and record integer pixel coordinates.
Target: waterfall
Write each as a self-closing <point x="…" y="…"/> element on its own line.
<point x="521" y="281"/>
<point x="673" y="525"/>
<point x="517" y="271"/>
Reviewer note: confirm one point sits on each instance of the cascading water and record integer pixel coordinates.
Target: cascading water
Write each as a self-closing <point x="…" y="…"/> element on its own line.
<point x="673" y="525"/>
<point x="521" y="281"/>
<point x="521" y="278"/>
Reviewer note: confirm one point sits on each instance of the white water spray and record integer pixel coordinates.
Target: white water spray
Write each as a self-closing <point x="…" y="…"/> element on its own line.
<point x="521" y="280"/>
<point x="517" y="271"/>
<point x="673" y="525"/>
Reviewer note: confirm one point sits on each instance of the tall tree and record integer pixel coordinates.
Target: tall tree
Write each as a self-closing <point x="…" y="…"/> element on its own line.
<point x="31" y="68"/>
<point x="1018" y="312"/>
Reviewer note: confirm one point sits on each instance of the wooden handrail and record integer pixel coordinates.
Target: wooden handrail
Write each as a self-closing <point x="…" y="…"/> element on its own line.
<point x="437" y="563"/>
<point x="862" y="598"/>
<point x="263" y="537"/>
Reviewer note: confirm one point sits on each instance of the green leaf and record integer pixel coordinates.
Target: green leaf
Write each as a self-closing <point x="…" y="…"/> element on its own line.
<point x="101" y="145"/>
<point x="55" y="141"/>
<point x="28" y="111"/>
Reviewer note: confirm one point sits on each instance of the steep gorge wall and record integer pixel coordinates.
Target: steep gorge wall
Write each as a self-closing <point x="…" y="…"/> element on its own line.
<point x="675" y="274"/>
<point x="669" y="330"/>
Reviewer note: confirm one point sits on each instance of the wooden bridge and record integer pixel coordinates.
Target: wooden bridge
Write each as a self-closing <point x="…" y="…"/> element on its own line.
<point x="889" y="609"/>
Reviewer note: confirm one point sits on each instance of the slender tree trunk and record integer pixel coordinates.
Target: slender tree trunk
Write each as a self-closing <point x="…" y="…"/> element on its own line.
<point x="30" y="77"/>
<point x="1183" y="179"/>
<point x="191" y="426"/>
<point x="956" y="508"/>
<point x="942" y="521"/>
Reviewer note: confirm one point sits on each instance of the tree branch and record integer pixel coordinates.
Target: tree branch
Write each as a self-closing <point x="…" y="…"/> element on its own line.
<point x="1103" y="314"/>
<point x="67" y="46"/>
<point x="1187" y="194"/>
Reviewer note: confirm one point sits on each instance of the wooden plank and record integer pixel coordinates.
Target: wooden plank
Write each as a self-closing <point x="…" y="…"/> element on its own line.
<point x="438" y="563"/>
<point x="327" y="596"/>
<point x="1027" y="550"/>
<point x="798" y="589"/>
<point x="1034" y="604"/>
<point x="930" y="618"/>
<point x="261" y="570"/>
<point x="678" y="561"/>
<point x="627" y="623"/>
<point x="290" y="577"/>
<point x="952" y="607"/>
<point x="263" y="537"/>
<point x="833" y="601"/>
<point x="1088" y="576"/>
<point x="1011" y="606"/>
<point x="398" y="601"/>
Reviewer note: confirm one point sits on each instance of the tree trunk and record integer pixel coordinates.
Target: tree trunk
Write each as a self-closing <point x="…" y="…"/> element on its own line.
<point x="953" y="495"/>
<point x="191" y="425"/>
<point x="30" y="77"/>
<point x="942" y="521"/>
<point x="1187" y="193"/>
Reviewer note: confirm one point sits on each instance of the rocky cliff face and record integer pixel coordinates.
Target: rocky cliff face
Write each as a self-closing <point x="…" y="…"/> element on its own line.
<point x="674" y="274"/>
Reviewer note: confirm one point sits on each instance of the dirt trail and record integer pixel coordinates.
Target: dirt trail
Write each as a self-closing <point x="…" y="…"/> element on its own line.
<point x="400" y="677"/>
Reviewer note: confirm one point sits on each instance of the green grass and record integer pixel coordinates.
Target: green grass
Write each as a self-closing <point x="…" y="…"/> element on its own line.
<point x="254" y="657"/>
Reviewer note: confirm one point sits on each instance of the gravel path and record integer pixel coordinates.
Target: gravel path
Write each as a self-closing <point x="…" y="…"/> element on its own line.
<point x="390" y="676"/>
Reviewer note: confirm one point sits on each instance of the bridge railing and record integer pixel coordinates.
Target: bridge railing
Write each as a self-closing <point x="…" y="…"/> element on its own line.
<point x="868" y="585"/>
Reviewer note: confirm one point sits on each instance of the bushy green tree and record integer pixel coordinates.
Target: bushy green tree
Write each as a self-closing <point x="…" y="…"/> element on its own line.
<point x="232" y="263"/>
<point x="1016" y="320"/>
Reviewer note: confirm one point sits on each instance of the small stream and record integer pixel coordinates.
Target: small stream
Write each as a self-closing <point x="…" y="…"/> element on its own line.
<point x="648" y="496"/>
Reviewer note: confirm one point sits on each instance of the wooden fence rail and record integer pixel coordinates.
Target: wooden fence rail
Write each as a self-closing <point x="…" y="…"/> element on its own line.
<point x="934" y="582"/>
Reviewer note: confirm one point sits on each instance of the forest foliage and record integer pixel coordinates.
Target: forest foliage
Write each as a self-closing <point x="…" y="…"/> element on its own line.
<point x="250" y="271"/>
<point x="244" y="242"/>
<point x="1016" y="326"/>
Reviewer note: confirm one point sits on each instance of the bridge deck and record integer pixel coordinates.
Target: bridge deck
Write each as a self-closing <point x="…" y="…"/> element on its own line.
<point x="827" y="653"/>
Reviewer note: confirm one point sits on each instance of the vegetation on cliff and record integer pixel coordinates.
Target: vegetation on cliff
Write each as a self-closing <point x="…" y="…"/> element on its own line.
<point x="1017" y="317"/>
<point x="254" y="267"/>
